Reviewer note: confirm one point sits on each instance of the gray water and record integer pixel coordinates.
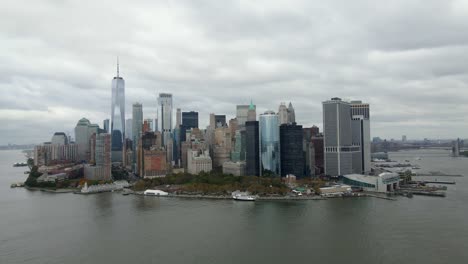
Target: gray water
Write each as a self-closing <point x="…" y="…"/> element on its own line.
<point x="38" y="227"/>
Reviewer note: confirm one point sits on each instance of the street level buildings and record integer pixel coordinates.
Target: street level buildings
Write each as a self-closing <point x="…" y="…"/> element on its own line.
<point x="234" y="168"/>
<point x="101" y="170"/>
<point x="198" y="161"/>
<point x="384" y="182"/>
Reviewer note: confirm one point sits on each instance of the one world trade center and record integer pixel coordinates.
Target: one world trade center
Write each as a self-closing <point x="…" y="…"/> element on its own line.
<point x="118" y="116"/>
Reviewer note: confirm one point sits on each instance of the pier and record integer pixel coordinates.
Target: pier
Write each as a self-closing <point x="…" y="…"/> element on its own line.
<point x="440" y="182"/>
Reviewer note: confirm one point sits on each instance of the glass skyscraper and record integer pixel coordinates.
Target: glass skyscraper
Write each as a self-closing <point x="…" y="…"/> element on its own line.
<point x="137" y="126"/>
<point x="269" y="142"/>
<point x="252" y="148"/>
<point x="292" y="154"/>
<point x="117" y="117"/>
<point x="165" y="118"/>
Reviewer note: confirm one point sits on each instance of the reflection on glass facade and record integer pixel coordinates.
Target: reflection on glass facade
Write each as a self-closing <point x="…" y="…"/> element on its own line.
<point x="165" y="102"/>
<point x="269" y="142"/>
<point x="118" y="116"/>
<point x="137" y="115"/>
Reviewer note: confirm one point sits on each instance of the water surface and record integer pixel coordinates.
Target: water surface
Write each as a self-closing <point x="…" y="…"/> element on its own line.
<point x="38" y="227"/>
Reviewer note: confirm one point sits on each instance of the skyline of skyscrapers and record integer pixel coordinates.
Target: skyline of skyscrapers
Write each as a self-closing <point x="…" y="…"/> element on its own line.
<point x="283" y="146"/>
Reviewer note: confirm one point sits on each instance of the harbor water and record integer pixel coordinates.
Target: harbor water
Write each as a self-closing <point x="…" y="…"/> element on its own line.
<point x="40" y="227"/>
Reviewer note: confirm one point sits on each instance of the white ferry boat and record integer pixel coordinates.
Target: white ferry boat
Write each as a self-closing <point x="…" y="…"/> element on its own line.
<point x="240" y="196"/>
<point x="155" y="193"/>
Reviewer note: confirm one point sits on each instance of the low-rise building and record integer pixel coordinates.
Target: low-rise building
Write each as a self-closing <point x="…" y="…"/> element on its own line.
<point x="155" y="163"/>
<point x="384" y="182"/>
<point x="52" y="177"/>
<point x="335" y="190"/>
<point x="49" y="154"/>
<point x="198" y="161"/>
<point x="234" y="168"/>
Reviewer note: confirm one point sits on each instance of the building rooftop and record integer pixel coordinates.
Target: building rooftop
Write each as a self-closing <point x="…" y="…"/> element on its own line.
<point x="369" y="178"/>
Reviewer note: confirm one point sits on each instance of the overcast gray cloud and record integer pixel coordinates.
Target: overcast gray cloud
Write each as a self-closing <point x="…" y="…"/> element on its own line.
<point x="408" y="59"/>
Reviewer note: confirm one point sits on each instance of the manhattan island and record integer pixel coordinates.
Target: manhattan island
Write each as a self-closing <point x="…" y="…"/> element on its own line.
<point x="272" y="157"/>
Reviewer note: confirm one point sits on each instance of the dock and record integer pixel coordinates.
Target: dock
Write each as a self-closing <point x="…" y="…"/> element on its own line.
<point x="440" y="182"/>
<point x="438" y="194"/>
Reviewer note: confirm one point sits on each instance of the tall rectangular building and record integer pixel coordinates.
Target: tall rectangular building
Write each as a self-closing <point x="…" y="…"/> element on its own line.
<point x="117" y="126"/>
<point x="106" y="125"/>
<point x="269" y="143"/>
<point x="338" y="147"/>
<point x="360" y="115"/>
<point x="252" y="148"/>
<point x="292" y="154"/>
<point x="242" y="112"/>
<point x="128" y="125"/>
<point x="190" y="119"/>
<point x="137" y="126"/>
<point x="220" y="120"/>
<point x="165" y="115"/>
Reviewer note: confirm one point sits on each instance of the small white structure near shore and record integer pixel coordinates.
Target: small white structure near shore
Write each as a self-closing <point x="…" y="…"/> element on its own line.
<point x="155" y="193"/>
<point x="335" y="190"/>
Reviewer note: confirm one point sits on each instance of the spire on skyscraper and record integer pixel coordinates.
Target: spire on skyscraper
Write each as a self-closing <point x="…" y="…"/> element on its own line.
<point x="251" y="106"/>
<point x="117" y="66"/>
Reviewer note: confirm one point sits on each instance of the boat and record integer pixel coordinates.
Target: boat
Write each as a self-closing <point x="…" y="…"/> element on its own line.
<point x="155" y="193"/>
<point x="240" y="196"/>
<point x="20" y="164"/>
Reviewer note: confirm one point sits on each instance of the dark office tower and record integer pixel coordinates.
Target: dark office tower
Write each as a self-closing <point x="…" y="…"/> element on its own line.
<point x="317" y="146"/>
<point x="190" y="119"/>
<point x="106" y="125"/>
<point x="220" y="120"/>
<point x="252" y="148"/>
<point x="292" y="155"/>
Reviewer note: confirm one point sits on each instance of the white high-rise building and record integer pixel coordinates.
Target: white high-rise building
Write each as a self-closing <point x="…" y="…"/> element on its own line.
<point x="83" y="132"/>
<point x="360" y="115"/>
<point x="283" y="114"/>
<point x="291" y="114"/>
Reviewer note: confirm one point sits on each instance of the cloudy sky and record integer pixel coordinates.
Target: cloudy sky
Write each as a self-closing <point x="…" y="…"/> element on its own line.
<point x="408" y="59"/>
